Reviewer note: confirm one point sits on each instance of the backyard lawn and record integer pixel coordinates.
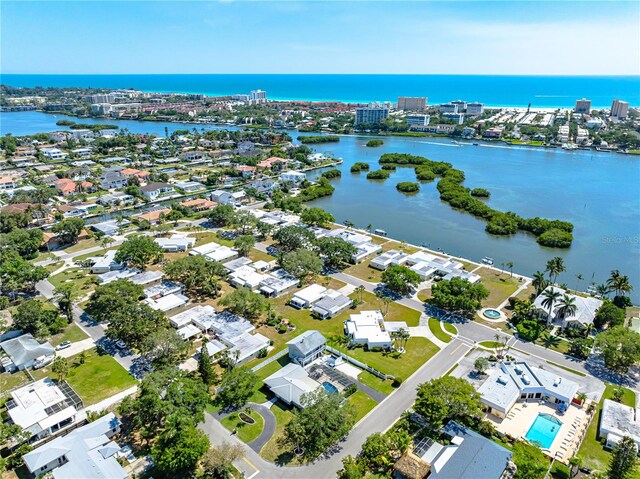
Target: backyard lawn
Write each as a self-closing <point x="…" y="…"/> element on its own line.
<point x="71" y="333"/>
<point x="98" y="378"/>
<point x="361" y="403"/>
<point x="246" y="432"/>
<point x="436" y="328"/>
<point x="500" y="286"/>
<point x="592" y="452"/>
<point x="418" y="352"/>
<point x="81" y="280"/>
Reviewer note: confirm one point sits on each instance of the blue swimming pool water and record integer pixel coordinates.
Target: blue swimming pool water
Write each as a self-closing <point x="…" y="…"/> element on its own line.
<point x="543" y="431"/>
<point x="330" y="388"/>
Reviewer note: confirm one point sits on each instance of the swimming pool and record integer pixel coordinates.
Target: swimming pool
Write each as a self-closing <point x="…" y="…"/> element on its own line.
<point x="330" y="388"/>
<point x="543" y="431"/>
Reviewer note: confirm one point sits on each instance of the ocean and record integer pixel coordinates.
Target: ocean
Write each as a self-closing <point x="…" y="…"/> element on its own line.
<point x="521" y="91"/>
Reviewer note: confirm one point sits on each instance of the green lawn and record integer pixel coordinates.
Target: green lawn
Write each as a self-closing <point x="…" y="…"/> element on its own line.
<point x="362" y="404"/>
<point x="98" y="378"/>
<point x="81" y="280"/>
<point x="384" y="386"/>
<point x="553" y="342"/>
<point x="272" y="450"/>
<point x="72" y="333"/>
<point x="9" y="381"/>
<point x="450" y="328"/>
<point x="592" y="451"/>
<point x="438" y="332"/>
<point x="246" y="432"/>
<point x="364" y="271"/>
<point x="500" y="286"/>
<point x="82" y="244"/>
<point x="418" y="352"/>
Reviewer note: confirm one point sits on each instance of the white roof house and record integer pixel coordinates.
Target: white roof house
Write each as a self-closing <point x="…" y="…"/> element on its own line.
<point x="367" y="327"/>
<point x="388" y="258"/>
<point x="247" y="277"/>
<point x="331" y="304"/>
<point x="617" y="421"/>
<point x="290" y="383"/>
<point x="168" y="302"/>
<point x="85" y="452"/>
<point x="586" y="309"/>
<point x="277" y="283"/>
<point x="513" y="381"/>
<point x="306" y="297"/>
<point x="42" y="408"/>
<point x="215" y="252"/>
<point x="176" y="242"/>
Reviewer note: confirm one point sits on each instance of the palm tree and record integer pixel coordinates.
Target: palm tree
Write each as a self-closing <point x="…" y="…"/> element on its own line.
<point x="567" y="307"/>
<point x="509" y="265"/>
<point x="550" y="297"/>
<point x="359" y="290"/>
<point x="539" y="282"/>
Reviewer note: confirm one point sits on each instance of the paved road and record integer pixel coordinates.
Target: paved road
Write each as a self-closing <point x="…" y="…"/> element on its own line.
<point x="378" y="420"/>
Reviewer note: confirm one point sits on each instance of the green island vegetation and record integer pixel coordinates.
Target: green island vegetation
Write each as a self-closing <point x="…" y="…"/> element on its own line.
<point x="318" y="139"/>
<point x="480" y="193"/>
<point x="374" y="143"/>
<point x="408" y="187"/>
<point x="86" y="126"/>
<point x="551" y="233"/>
<point x="359" y="166"/>
<point x="378" y="175"/>
<point x="332" y="173"/>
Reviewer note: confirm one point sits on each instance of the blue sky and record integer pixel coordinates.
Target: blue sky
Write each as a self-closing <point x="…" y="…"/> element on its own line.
<point x="545" y="38"/>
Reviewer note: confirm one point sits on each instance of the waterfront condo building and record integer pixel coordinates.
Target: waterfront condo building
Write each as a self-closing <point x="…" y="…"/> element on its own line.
<point x="412" y="103"/>
<point x="422" y="120"/>
<point x="619" y="109"/>
<point x="372" y="113"/>
<point x="475" y="108"/>
<point x="583" y="106"/>
<point x="258" y="96"/>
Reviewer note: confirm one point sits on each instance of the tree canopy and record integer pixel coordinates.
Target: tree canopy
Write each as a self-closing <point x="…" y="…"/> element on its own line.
<point x="446" y="398"/>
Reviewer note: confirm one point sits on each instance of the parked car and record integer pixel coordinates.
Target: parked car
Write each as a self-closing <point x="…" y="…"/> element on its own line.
<point x="63" y="345"/>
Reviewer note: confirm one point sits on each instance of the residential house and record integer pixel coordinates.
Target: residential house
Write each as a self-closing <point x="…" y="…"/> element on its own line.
<point x="293" y="177"/>
<point x="44" y="408"/>
<point x="153" y="191"/>
<point x="199" y="204"/>
<point x="517" y="381"/>
<point x="331" y="304"/>
<point x="291" y="383"/>
<point x="22" y="352"/>
<point x="86" y="452"/>
<point x="307" y="347"/>
<point x="586" y="309"/>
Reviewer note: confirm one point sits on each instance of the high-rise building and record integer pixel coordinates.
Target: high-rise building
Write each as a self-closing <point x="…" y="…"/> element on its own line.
<point x="583" y="107"/>
<point x="422" y="120"/>
<point x="620" y="109"/>
<point x="258" y="96"/>
<point x="372" y="113"/>
<point x="412" y="103"/>
<point x="475" y="108"/>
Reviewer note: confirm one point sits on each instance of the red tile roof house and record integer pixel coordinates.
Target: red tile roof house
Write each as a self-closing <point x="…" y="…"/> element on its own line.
<point x="273" y="163"/>
<point x="140" y="174"/>
<point x="68" y="187"/>
<point x="247" y="171"/>
<point x="199" y="204"/>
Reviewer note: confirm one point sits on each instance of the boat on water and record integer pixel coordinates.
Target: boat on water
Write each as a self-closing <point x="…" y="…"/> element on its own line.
<point x="486" y="260"/>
